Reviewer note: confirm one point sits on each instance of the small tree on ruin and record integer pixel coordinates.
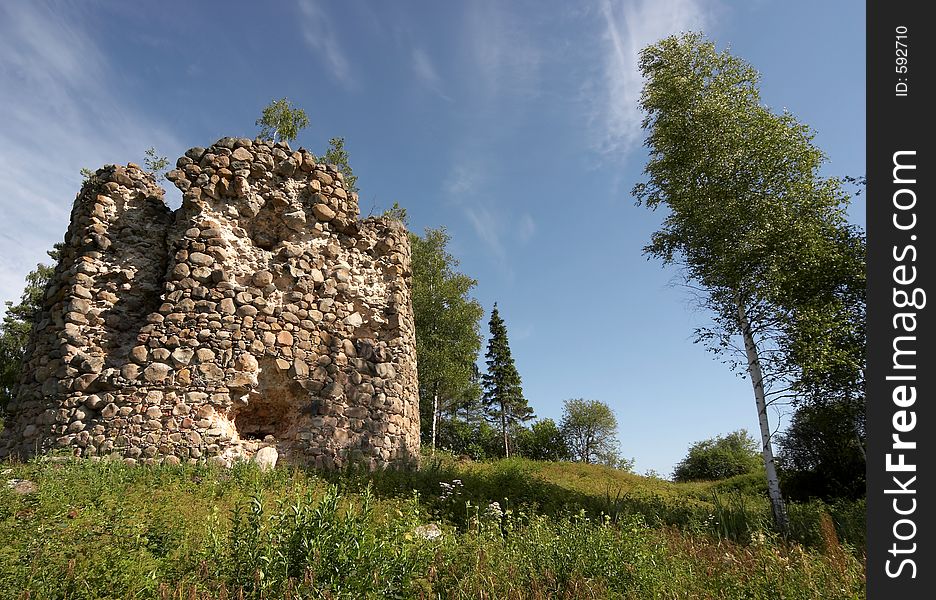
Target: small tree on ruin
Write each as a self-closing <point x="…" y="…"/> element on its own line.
<point x="281" y="119"/>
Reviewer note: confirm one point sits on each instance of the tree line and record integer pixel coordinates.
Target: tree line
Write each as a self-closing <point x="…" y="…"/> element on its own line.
<point x="485" y="415"/>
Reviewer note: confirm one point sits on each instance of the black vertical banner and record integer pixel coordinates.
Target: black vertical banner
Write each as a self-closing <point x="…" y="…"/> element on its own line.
<point x="901" y="375"/>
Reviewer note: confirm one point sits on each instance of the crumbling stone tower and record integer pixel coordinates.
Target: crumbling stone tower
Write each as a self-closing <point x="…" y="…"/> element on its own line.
<point x="260" y="313"/>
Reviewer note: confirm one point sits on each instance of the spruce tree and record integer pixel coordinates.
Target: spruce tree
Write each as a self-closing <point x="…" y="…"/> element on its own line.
<point x="503" y="394"/>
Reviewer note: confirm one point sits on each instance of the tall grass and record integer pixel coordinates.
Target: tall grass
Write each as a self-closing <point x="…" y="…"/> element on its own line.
<point x="512" y="529"/>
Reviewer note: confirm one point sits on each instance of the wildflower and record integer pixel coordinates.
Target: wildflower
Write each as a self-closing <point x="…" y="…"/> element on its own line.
<point x="449" y="489"/>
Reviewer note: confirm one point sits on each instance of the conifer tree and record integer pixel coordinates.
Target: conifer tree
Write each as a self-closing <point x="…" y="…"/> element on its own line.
<point x="503" y="393"/>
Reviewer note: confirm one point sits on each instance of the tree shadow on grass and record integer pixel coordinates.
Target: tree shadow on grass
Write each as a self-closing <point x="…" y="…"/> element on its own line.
<point x="514" y="486"/>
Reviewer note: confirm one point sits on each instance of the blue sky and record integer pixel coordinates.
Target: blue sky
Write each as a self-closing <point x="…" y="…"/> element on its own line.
<point x="513" y="124"/>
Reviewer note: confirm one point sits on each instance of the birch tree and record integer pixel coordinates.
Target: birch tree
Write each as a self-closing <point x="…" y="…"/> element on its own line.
<point x="280" y="118"/>
<point x="448" y="329"/>
<point x="748" y="214"/>
<point x="338" y="156"/>
<point x="16" y="325"/>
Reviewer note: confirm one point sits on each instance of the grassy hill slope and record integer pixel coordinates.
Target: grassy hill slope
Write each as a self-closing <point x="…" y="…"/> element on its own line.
<point x="505" y="529"/>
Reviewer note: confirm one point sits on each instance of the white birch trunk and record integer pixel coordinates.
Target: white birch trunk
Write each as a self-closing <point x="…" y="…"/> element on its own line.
<point x="757" y="381"/>
<point x="435" y="419"/>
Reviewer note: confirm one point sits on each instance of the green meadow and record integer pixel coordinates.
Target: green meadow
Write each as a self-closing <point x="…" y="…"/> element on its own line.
<point x="501" y="530"/>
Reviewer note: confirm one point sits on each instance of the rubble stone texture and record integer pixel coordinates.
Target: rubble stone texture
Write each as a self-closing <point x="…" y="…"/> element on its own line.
<point x="261" y="313"/>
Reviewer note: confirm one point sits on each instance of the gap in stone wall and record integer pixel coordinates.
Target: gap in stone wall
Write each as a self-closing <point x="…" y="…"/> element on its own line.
<point x="273" y="407"/>
<point x="267" y="229"/>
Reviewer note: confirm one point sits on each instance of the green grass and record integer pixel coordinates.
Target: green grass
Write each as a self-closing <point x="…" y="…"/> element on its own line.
<point x="104" y="530"/>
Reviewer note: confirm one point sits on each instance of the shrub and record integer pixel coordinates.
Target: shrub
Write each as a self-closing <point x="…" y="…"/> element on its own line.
<point x="720" y="457"/>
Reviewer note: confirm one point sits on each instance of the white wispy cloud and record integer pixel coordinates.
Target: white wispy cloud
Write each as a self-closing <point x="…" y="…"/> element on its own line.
<point x="630" y="25"/>
<point x="490" y="219"/>
<point x="426" y="72"/>
<point x="318" y="31"/>
<point x="489" y="227"/>
<point x="502" y="50"/>
<point x="465" y="188"/>
<point x="464" y="180"/>
<point x="59" y="115"/>
<point x="526" y="227"/>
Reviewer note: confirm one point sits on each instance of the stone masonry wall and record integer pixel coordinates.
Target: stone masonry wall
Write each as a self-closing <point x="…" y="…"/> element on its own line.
<point x="262" y="312"/>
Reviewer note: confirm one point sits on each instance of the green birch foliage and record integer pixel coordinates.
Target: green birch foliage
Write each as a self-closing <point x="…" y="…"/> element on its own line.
<point x="748" y="209"/>
<point x="338" y="156"/>
<point x="448" y="325"/>
<point x="826" y="336"/>
<point x="16" y="325"/>
<point x="750" y="219"/>
<point x="153" y="163"/>
<point x="281" y="119"/>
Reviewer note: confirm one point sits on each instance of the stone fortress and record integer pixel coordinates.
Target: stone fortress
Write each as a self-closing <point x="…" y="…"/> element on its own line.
<point x="261" y="313"/>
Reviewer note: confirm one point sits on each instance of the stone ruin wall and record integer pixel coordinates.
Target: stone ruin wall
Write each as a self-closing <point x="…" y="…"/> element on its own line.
<point x="260" y="313"/>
